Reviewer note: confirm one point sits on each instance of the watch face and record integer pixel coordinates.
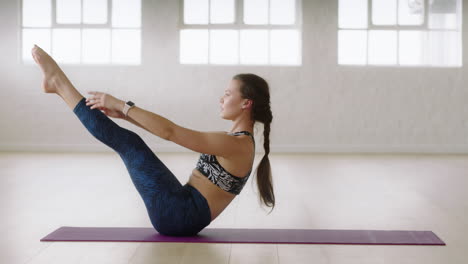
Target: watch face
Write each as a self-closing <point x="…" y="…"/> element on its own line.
<point x="130" y="103"/>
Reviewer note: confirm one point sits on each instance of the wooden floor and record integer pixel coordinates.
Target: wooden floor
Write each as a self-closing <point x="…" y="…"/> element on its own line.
<point x="41" y="192"/>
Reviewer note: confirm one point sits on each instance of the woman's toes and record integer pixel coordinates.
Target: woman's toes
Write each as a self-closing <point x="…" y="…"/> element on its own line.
<point x="36" y="55"/>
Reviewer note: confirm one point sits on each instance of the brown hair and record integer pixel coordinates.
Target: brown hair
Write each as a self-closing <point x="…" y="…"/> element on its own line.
<point x="256" y="89"/>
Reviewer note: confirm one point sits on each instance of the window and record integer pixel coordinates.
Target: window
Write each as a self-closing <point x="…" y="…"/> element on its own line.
<point x="83" y="31"/>
<point x="248" y="32"/>
<point x="400" y="32"/>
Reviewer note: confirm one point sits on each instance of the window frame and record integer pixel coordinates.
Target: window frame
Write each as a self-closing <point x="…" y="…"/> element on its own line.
<point x="398" y="28"/>
<point x="239" y="25"/>
<point x="81" y="26"/>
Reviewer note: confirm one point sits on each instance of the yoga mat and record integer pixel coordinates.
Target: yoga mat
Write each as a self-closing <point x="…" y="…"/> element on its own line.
<point x="253" y="236"/>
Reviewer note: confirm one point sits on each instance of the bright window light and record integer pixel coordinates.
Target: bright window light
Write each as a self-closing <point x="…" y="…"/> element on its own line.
<point x="263" y="32"/>
<point x="194" y="46"/>
<point x="82" y="32"/>
<point x="94" y="11"/>
<point x="96" y="46"/>
<point x="256" y="12"/>
<point x="196" y="11"/>
<point x="222" y="11"/>
<point x="126" y="46"/>
<point x="400" y="33"/>
<point x="445" y="14"/>
<point x="40" y="37"/>
<point x="384" y="12"/>
<point x="352" y="14"/>
<point x="410" y="12"/>
<point x="68" y="11"/>
<point x="37" y="13"/>
<point x="445" y="48"/>
<point x="283" y="12"/>
<point x="252" y="46"/>
<point x="66" y="47"/>
<point x="411" y="43"/>
<point x="352" y="47"/>
<point x="224" y="46"/>
<point x="126" y="13"/>
<point x="383" y="47"/>
<point x="444" y="21"/>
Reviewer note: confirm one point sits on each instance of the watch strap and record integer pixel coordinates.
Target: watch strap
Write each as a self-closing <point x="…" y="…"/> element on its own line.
<point x="128" y="105"/>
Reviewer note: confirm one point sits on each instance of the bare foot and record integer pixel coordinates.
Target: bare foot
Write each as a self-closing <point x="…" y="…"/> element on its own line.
<point x="52" y="72"/>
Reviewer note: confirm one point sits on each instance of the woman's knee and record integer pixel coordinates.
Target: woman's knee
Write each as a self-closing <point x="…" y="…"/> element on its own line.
<point x="123" y="140"/>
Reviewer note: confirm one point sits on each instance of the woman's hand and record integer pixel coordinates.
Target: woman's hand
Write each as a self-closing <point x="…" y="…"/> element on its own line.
<point x="107" y="103"/>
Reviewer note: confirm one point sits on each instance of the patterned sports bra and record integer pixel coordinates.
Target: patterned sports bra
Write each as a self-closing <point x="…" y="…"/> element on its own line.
<point x="209" y="166"/>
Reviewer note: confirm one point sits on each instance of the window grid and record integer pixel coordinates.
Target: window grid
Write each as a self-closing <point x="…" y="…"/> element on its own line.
<point x="398" y="28"/>
<point x="81" y="26"/>
<point x="239" y="25"/>
<point x="371" y="26"/>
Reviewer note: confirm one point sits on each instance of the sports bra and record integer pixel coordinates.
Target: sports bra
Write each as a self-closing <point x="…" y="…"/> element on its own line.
<point x="209" y="166"/>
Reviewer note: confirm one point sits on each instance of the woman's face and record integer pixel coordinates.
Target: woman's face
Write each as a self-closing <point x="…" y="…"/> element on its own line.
<point x="231" y="101"/>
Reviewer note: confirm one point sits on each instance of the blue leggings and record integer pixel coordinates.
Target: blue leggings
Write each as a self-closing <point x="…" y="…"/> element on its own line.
<point x="173" y="209"/>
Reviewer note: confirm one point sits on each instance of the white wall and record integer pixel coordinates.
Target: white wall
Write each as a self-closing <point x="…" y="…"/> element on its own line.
<point x="319" y="107"/>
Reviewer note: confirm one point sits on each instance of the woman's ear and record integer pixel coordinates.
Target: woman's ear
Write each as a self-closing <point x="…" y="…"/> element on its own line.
<point x="247" y="104"/>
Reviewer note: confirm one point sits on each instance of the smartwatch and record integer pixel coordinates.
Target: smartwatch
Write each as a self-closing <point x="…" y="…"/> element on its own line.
<point x="128" y="105"/>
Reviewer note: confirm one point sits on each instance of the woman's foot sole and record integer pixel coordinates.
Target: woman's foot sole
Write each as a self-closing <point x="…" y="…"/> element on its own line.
<point x="49" y="68"/>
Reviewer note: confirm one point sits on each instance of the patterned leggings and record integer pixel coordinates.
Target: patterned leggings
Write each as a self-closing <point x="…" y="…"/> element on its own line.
<point x="173" y="209"/>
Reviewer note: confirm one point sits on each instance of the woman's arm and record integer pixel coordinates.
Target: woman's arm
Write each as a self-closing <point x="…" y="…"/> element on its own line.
<point x="152" y="122"/>
<point x="214" y="143"/>
<point x="129" y="119"/>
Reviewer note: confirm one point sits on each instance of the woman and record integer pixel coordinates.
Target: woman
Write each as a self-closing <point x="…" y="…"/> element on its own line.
<point x="175" y="209"/>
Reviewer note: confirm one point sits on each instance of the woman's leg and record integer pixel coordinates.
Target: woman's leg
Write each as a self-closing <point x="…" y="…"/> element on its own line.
<point x="149" y="175"/>
<point x="172" y="208"/>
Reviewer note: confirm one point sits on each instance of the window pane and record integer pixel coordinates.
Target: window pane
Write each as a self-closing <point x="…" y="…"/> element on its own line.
<point x="410" y="12"/>
<point x="126" y="13"/>
<point x="224" y="46"/>
<point x="352" y="47"/>
<point x="126" y="46"/>
<point x="66" y="45"/>
<point x="68" y="11"/>
<point x="222" y="11"/>
<point x="37" y="13"/>
<point x="95" y="11"/>
<point x="283" y="12"/>
<point x="445" y="14"/>
<point x="285" y="47"/>
<point x="96" y="45"/>
<point x="40" y="37"/>
<point x="194" y="46"/>
<point x="384" y="12"/>
<point x="382" y="47"/>
<point x="256" y="12"/>
<point x="411" y="45"/>
<point x="352" y="13"/>
<point x="196" y="11"/>
<point x="254" y="46"/>
<point x="445" y="48"/>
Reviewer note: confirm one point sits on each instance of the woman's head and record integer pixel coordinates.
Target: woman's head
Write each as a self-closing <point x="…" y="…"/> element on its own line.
<point x="253" y="93"/>
<point x="234" y="104"/>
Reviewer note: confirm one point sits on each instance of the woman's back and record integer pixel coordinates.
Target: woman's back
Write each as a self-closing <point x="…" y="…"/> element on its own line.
<point x="221" y="185"/>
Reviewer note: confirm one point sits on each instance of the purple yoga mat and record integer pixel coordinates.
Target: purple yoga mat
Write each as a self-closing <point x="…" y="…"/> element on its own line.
<point x="253" y="236"/>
